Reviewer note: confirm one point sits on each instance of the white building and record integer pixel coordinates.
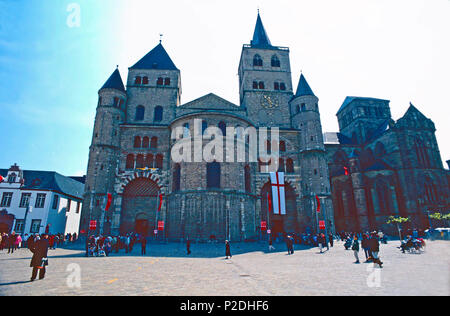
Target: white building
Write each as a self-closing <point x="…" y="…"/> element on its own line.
<point x="36" y="201"/>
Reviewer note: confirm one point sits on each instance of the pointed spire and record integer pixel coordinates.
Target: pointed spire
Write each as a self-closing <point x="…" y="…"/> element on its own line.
<point x="114" y="81"/>
<point x="157" y="58"/>
<point x="303" y="87"/>
<point x="260" y="37"/>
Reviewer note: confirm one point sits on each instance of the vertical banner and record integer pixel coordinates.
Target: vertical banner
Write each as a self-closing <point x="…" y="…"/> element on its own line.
<point x="160" y="202"/>
<point x="318" y="204"/>
<point x="321" y="224"/>
<point x="160" y="225"/>
<point x="108" y="201"/>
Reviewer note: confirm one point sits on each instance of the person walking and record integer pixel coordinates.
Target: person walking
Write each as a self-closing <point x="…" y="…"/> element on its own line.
<point x="375" y="249"/>
<point x="143" y="246"/>
<point x="330" y="237"/>
<point x="365" y="246"/>
<point x="39" y="260"/>
<point x="320" y="242"/>
<point x="11" y="242"/>
<point x="355" y="248"/>
<point x="271" y="247"/>
<point x="227" y="249"/>
<point x="188" y="246"/>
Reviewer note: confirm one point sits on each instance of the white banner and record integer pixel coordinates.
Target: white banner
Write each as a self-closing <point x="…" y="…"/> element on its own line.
<point x="278" y="193"/>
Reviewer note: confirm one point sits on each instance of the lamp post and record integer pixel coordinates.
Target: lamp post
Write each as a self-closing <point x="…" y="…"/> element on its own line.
<point x="27" y="210"/>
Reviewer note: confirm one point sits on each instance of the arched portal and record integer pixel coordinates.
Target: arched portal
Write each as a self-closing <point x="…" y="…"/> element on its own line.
<point x="139" y="206"/>
<point x="280" y="224"/>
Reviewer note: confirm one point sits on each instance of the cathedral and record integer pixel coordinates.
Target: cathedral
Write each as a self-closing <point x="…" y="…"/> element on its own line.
<point x="355" y="178"/>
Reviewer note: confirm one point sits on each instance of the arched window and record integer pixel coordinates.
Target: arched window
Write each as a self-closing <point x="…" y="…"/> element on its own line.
<point x="137" y="142"/>
<point x="137" y="80"/>
<point x="140" y="161"/>
<point x="159" y="161"/>
<point x="247" y="178"/>
<point x="145" y="142"/>
<point x="149" y="161"/>
<point x="257" y="61"/>
<point x="303" y="105"/>
<point x="422" y="154"/>
<point x="281" y="167"/>
<point x="186" y="131"/>
<point x="431" y="193"/>
<point x="268" y="146"/>
<point x="380" y="151"/>
<point x="297" y="108"/>
<point x="276" y="86"/>
<point x="255" y="85"/>
<point x="204" y="126"/>
<point x="160" y="81"/>
<point x="145" y="80"/>
<point x="275" y="62"/>
<point x="261" y="85"/>
<point x="158" y="114"/>
<point x="282" y="146"/>
<point x="176" y="178"/>
<point x="213" y="175"/>
<point x="167" y="81"/>
<point x="140" y="111"/>
<point x="282" y="86"/>
<point x="154" y="142"/>
<point x="384" y="197"/>
<point x="289" y="165"/>
<point x="130" y="162"/>
<point x="223" y="128"/>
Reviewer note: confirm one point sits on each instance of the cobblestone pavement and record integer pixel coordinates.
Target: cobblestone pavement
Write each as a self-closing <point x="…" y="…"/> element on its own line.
<point x="166" y="270"/>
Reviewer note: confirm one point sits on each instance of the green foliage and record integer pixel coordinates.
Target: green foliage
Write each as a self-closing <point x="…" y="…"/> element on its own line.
<point x="397" y="220"/>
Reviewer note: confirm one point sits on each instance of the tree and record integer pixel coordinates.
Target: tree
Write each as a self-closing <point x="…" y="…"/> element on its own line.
<point x="398" y="221"/>
<point x="440" y="217"/>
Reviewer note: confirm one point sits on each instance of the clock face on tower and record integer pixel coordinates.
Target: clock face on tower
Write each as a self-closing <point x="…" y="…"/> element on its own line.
<point x="269" y="101"/>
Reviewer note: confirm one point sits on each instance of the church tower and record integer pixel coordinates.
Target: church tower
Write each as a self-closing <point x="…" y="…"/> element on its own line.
<point x="105" y="149"/>
<point x="265" y="84"/>
<point x="313" y="164"/>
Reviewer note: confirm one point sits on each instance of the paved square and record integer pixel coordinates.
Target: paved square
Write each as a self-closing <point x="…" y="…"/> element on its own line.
<point x="166" y="270"/>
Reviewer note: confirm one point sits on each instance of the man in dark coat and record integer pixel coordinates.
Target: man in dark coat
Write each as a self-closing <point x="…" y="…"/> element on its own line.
<point x="227" y="249"/>
<point x="11" y="242"/>
<point x="39" y="250"/>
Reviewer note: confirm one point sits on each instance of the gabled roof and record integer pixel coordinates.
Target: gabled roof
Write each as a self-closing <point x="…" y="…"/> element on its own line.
<point x="114" y="82"/>
<point x="210" y="102"/>
<point x="303" y="87"/>
<point x="413" y="118"/>
<point x="51" y="181"/>
<point x="260" y="37"/>
<point x="157" y="58"/>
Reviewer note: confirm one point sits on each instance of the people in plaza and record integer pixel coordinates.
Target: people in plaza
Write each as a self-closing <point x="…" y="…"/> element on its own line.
<point x="355" y="248"/>
<point x="227" y="249"/>
<point x="39" y="260"/>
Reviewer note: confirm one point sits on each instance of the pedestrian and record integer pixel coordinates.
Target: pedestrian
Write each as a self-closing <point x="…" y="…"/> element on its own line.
<point x="18" y="242"/>
<point x="330" y="237"/>
<point x="365" y="246"/>
<point x="271" y="247"/>
<point x="375" y="249"/>
<point x="355" y="248"/>
<point x="188" y="246"/>
<point x="143" y="245"/>
<point x="39" y="260"/>
<point x="320" y="242"/>
<point x="12" y="242"/>
<point x="227" y="249"/>
<point x="291" y="244"/>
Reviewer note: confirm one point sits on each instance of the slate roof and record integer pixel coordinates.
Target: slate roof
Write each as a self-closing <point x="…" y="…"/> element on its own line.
<point x="50" y="181"/>
<point x="157" y="58"/>
<point x="114" y="82"/>
<point x="260" y="37"/>
<point x="303" y="87"/>
<point x="349" y="100"/>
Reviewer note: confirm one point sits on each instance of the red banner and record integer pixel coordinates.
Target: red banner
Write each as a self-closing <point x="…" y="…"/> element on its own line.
<point x="108" y="201"/>
<point x="321" y="224"/>
<point x="270" y="202"/>
<point x="160" y="225"/>
<point x="346" y="171"/>
<point x="263" y="225"/>
<point x="93" y="225"/>
<point x="160" y="202"/>
<point x="318" y="204"/>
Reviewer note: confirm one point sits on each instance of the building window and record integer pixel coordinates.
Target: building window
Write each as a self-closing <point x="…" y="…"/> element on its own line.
<point x="154" y="143"/>
<point x="204" y="126"/>
<point x="40" y="201"/>
<point x="213" y="175"/>
<point x="176" y="178"/>
<point x="140" y="112"/>
<point x="158" y="114"/>
<point x="289" y="165"/>
<point x="140" y="161"/>
<point x="159" y="161"/>
<point x="297" y="109"/>
<point x="35" y="226"/>
<point x="255" y="85"/>
<point x="6" y="199"/>
<point x="149" y="161"/>
<point x="160" y="81"/>
<point x="12" y="178"/>
<point x="25" y="199"/>
<point x="282" y="86"/>
<point x="281" y="167"/>
<point x="137" y="142"/>
<point x="145" y="80"/>
<point x="257" y="61"/>
<point x="261" y="85"/>
<point x="247" y="179"/>
<point x="223" y="128"/>
<point x="186" y="132"/>
<point x="282" y="146"/>
<point x="69" y="203"/>
<point x="19" y="227"/>
<point x="167" y="81"/>
<point x="275" y="62"/>
<point x="303" y="105"/>
<point x="55" y="202"/>
<point x="78" y="208"/>
<point x="130" y="162"/>
<point x="145" y="142"/>
<point x="137" y="80"/>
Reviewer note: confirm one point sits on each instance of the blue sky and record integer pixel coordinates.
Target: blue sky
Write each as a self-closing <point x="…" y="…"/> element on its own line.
<point x="50" y="73"/>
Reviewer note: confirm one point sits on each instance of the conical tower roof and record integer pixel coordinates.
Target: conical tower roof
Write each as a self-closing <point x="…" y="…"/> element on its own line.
<point x="303" y="88"/>
<point x="260" y="37"/>
<point x="114" y="82"/>
<point x="157" y="58"/>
